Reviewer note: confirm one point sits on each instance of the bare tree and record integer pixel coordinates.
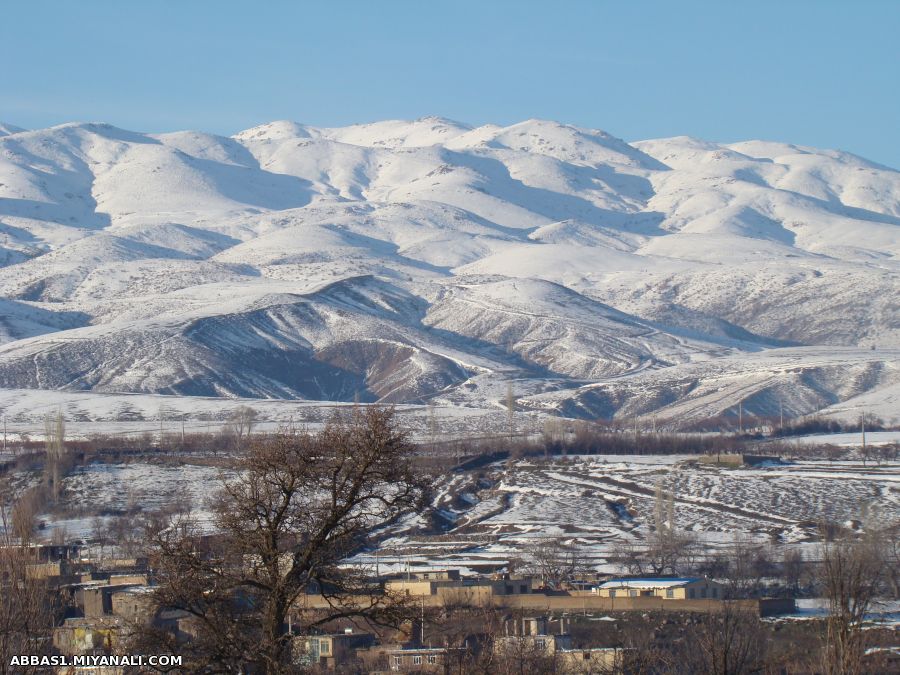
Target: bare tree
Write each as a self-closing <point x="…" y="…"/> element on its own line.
<point x="55" y="445"/>
<point x="729" y="641"/>
<point x="792" y="566"/>
<point x="26" y="612"/>
<point x="100" y="532"/>
<point x="667" y="550"/>
<point x="124" y="531"/>
<point x="432" y="426"/>
<point x="484" y="644"/>
<point x="299" y="504"/>
<point x="748" y="563"/>
<point x="510" y="410"/>
<point x="240" y="423"/>
<point x="852" y="571"/>
<point x="60" y="535"/>
<point x="643" y="654"/>
<point x="553" y="434"/>
<point x="521" y="655"/>
<point x="891" y="535"/>
<point x="556" y="561"/>
<point x="24" y="513"/>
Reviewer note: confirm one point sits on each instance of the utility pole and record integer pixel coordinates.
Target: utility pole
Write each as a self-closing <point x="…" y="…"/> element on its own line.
<point x="741" y="417"/>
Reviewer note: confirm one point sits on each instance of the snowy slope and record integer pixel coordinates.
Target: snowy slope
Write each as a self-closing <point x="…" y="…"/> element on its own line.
<point x="792" y="380"/>
<point x="400" y="261"/>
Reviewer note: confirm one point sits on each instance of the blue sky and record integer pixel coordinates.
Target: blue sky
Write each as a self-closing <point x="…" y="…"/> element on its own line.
<point x="810" y="72"/>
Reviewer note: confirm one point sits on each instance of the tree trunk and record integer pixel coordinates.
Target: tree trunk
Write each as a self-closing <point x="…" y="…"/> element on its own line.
<point x="276" y="640"/>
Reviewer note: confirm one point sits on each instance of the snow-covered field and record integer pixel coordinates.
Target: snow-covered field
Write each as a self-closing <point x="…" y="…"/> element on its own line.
<point x="499" y="513"/>
<point x="420" y="261"/>
<point x="107" y="490"/>
<point x="598" y="502"/>
<point x="885" y="613"/>
<point x="847" y="440"/>
<point x="89" y="414"/>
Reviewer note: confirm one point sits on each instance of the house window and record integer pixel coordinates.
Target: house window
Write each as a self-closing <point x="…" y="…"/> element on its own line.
<point x="324" y="646"/>
<point x="398" y="660"/>
<point x="523" y="588"/>
<point x="633" y="593"/>
<point x="703" y="592"/>
<point x="691" y="593"/>
<point x="417" y="660"/>
<point x="715" y="592"/>
<point x="670" y="593"/>
<point x="432" y="658"/>
<point x="612" y="593"/>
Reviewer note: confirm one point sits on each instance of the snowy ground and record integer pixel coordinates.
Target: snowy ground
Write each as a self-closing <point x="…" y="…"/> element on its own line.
<point x="598" y="502"/>
<point x="884" y="614"/>
<point x="847" y="440"/>
<point x="130" y="415"/>
<point x="498" y="513"/>
<point x="107" y="490"/>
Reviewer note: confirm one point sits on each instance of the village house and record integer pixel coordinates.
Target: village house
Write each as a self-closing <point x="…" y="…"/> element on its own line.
<point x="132" y="603"/>
<point x="434" y="574"/>
<point x="593" y="660"/>
<point x="48" y="570"/>
<point x="97" y="599"/>
<point x="42" y="553"/>
<point x="462" y="591"/>
<point x="670" y="588"/>
<point x="423" y="659"/>
<point x="330" y="650"/>
<point x="534" y="635"/>
<point x="87" y="636"/>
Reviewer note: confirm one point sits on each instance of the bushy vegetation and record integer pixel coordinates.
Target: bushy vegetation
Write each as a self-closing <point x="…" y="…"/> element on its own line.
<point x="822" y="425"/>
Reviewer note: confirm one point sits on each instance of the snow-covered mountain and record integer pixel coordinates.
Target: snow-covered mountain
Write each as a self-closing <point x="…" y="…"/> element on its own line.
<point x="429" y="260"/>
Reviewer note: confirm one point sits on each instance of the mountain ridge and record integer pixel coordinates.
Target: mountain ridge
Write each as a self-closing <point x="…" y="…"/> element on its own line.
<point x="541" y="253"/>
